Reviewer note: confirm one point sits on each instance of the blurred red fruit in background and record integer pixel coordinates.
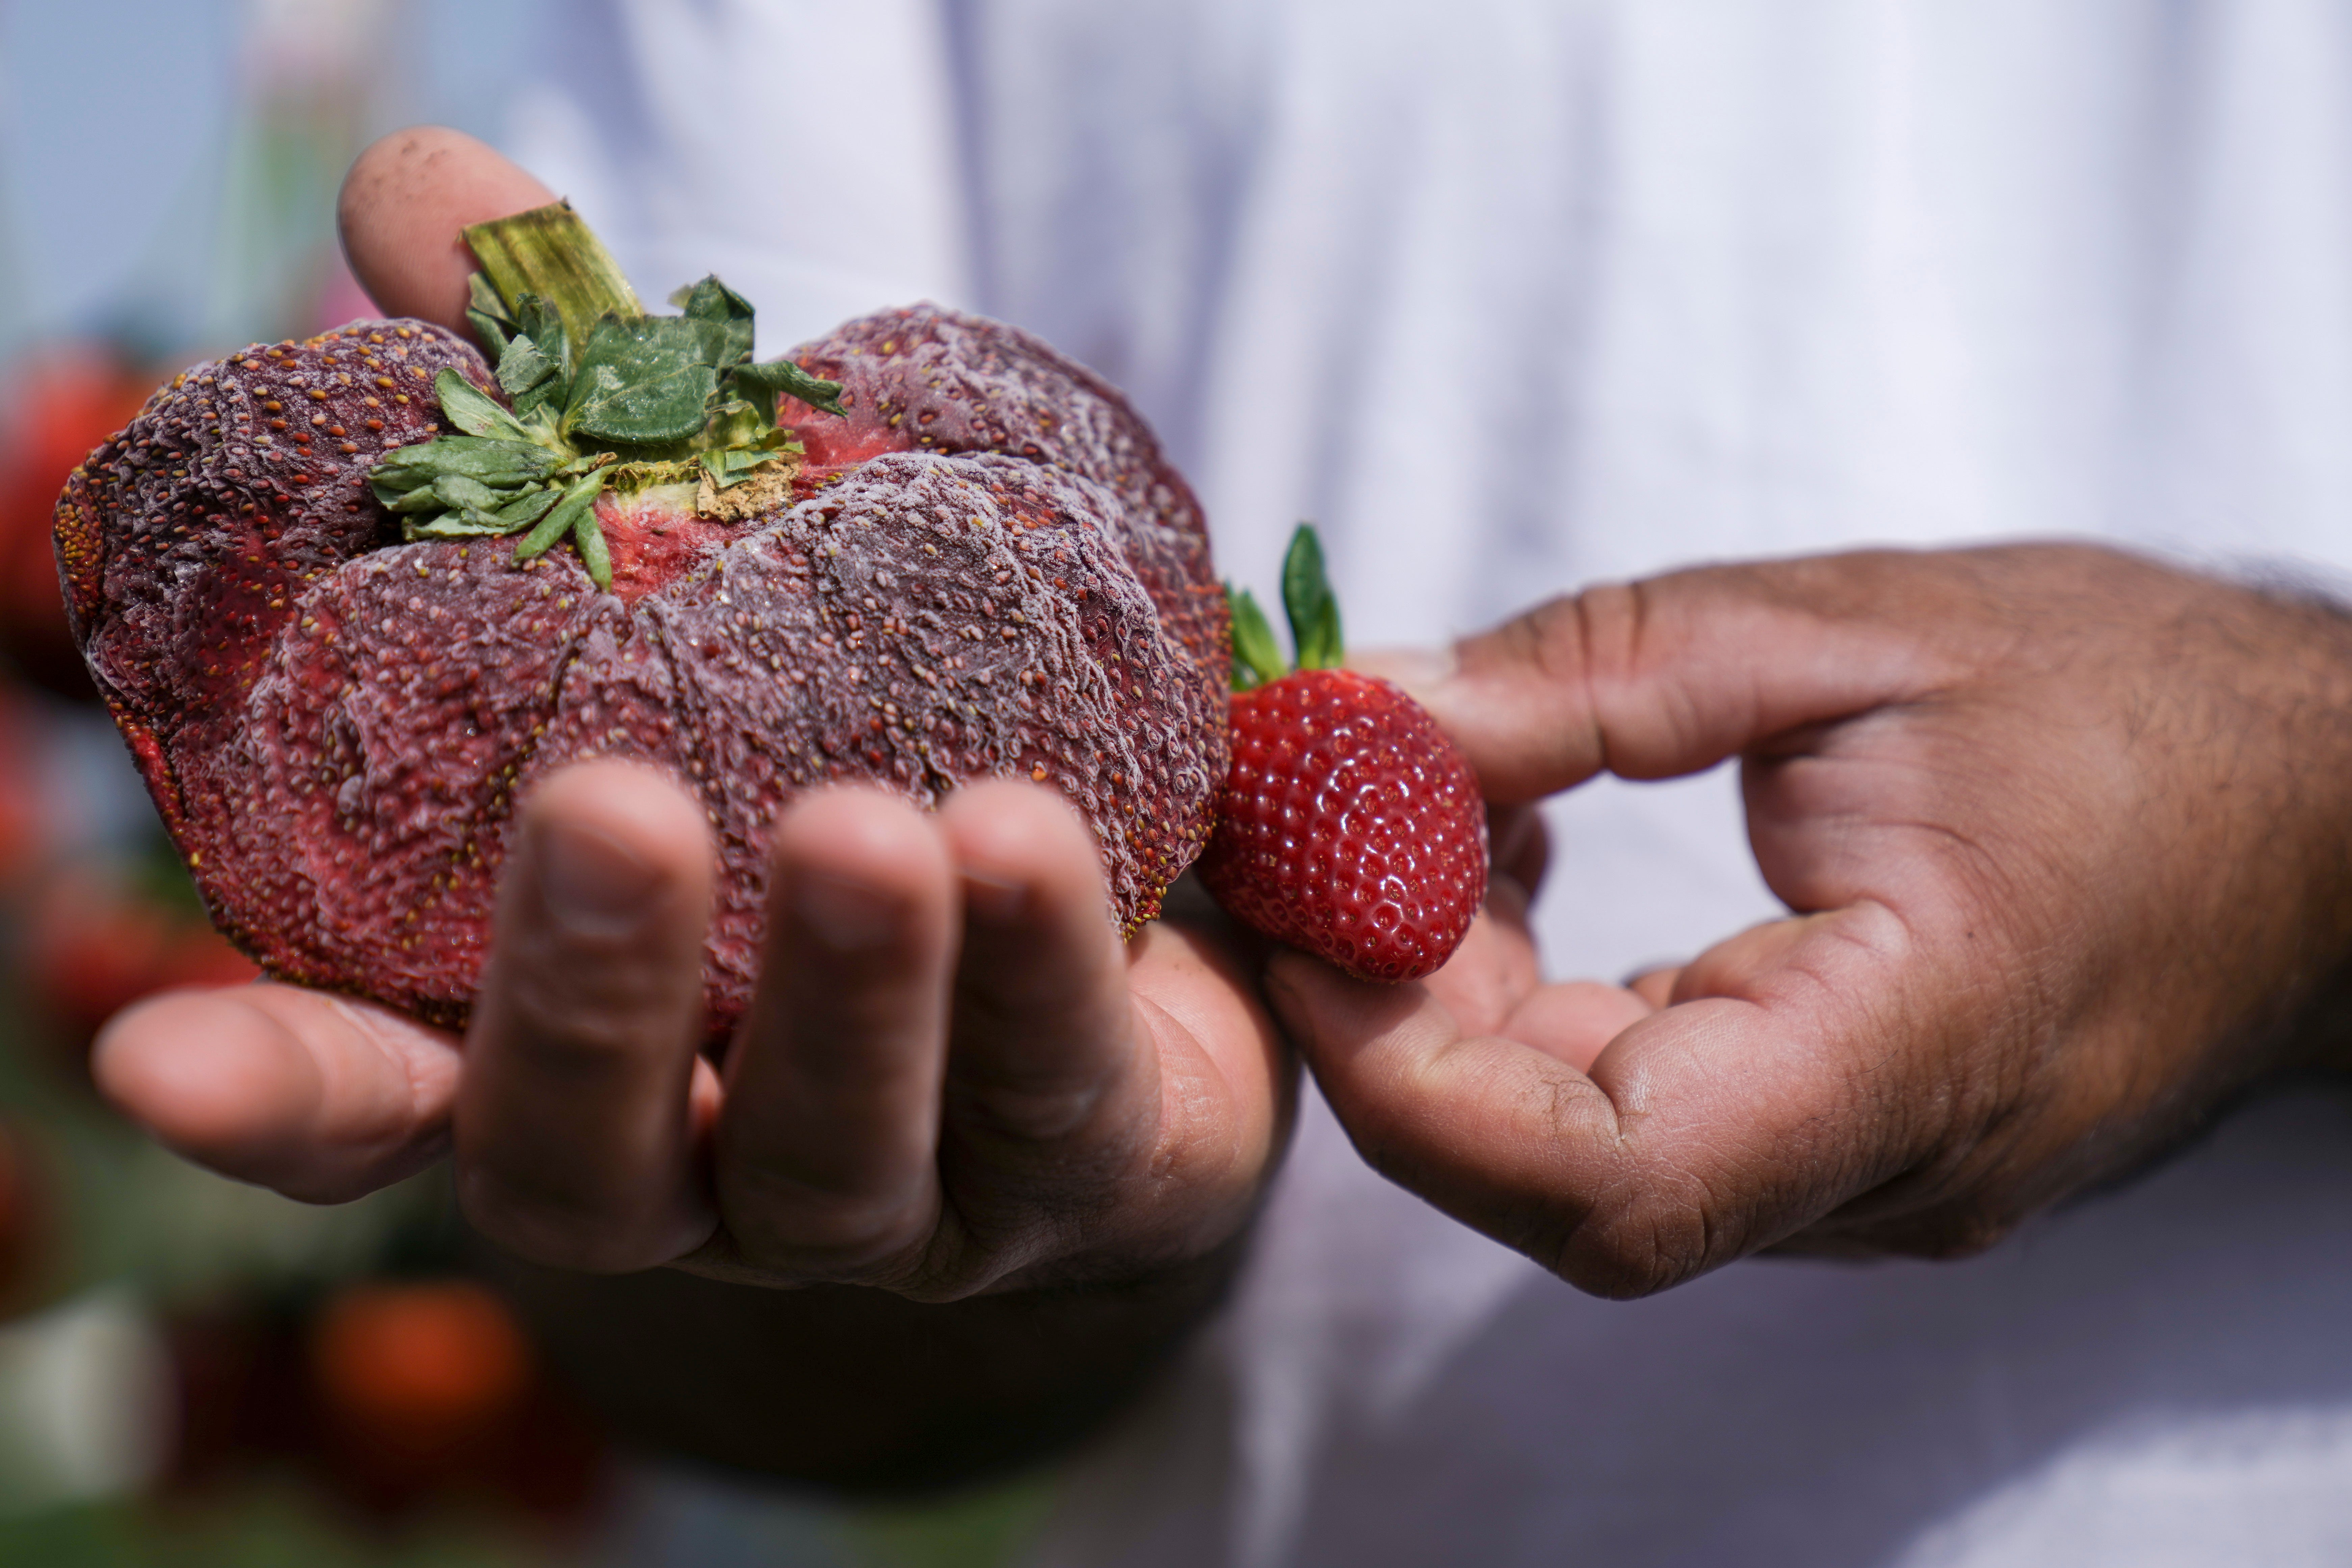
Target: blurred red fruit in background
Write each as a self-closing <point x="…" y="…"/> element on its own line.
<point x="59" y="405"/>
<point x="421" y="1386"/>
<point x="398" y="1396"/>
<point x="94" y="944"/>
<point x="418" y="1367"/>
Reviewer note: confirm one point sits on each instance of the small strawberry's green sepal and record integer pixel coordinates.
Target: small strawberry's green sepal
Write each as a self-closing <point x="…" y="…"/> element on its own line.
<point x="1307" y="600"/>
<point x="1308" y="603"/>
<point x="1257" y="658"/>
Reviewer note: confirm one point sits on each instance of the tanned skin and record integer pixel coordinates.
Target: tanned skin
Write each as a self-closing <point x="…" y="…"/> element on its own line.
<point x="2067" y="834"/>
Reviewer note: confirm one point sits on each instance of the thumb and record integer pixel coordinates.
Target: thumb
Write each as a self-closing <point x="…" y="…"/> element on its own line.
<point x="403" y="206"/>
<point x="1667" y="676"/>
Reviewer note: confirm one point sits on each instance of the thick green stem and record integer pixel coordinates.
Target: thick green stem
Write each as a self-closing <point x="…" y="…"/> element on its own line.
<point x="550" y="252"/>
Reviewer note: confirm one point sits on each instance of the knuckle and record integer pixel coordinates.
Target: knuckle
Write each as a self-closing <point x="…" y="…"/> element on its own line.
<point x="1621" y="1264"/>
<point x="1644" y="1244"/>
<point x="578" y="1023"/>
<point x="1049" y="1110"/>
<point x="788" y="1225"/>
<point x="1598" y="632"/>
<point x="1554" y="639"/>
<point x="539" y="1224"/>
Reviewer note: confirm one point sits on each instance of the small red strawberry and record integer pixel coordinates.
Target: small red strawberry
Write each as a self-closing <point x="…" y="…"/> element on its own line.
<point x="1349" y="825"/>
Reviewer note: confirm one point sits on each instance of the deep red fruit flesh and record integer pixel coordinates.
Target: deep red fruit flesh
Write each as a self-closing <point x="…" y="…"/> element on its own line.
<point x="1349" y="825"/>
<point x="988" y="570"/>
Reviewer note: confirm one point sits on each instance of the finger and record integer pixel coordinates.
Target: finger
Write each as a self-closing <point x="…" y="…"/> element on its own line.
<point x="1495" y="968"/>
<point x="319" y="1098"/>
<point x="574" y="1121"/>
<point x="1742" y="959"/>
<point x="403" y="206"/>
<point x="1574" y="1022"/>
<point x="1047" y="1090"/>
<point x="1700" y="1133"/>
<point x="1520" y="844"/>
<point x="1655" y="986"/>
<point x="1228" y="1082"/>
<point x="1672" y="675"/>
<point x="827" y="1145"/>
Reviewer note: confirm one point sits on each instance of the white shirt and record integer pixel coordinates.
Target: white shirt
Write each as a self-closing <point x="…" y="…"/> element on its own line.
<point x="1512" y="295"/>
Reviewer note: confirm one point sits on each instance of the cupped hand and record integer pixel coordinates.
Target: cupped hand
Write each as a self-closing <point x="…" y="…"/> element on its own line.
<point x="953" y="1078"/>
<point x="2066" y="837"/>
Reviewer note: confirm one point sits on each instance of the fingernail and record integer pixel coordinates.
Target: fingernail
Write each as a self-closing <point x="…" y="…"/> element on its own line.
<point x="843" y="915"/>
<point x="1417" y="669"/>
<point x="994" y="899"/>
<point x="592" y="883"/>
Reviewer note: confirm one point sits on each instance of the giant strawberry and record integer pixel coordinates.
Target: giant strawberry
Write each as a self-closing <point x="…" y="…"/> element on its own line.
<point x="349" y="598"/>
<point x="1349" y="825"/>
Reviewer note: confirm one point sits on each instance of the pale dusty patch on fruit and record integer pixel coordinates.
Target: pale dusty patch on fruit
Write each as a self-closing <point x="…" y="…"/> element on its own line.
<point x="769" y="489"/>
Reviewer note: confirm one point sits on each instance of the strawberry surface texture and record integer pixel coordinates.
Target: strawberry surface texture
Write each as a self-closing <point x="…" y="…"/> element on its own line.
<point x="985" y="568"/>
<point x="1349" y="825"/>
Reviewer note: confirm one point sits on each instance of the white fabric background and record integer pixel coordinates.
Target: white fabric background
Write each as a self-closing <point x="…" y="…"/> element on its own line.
<point x="1511" y="295"/>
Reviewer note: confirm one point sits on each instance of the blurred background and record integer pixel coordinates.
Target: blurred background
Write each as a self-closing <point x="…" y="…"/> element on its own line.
<point x="192" y="1372"/>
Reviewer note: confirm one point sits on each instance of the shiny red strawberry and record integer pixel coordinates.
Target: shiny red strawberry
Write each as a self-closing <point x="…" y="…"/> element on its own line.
<point x="1349" y="825"/>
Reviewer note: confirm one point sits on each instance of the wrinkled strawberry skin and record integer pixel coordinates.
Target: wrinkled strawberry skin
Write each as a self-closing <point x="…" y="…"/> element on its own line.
<point x="336" y="725"/>
<point x="1349" y="825"/>
<point x="183" y="542"/>
<point x="929" y="380"/>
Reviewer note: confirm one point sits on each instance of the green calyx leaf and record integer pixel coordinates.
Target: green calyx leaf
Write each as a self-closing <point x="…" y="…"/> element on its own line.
<point x="524" y="370"/>
<point x="598" y="395"/>
<point x="711" y="301"/>
<point x="471" y="410"/>
<point x="730" y="466"/>
<point x="1308" y="602"/>
<point x="1257" y="658"/>
<point x="575" y="514"/>
<point x="764" y="380"/>
<point x="647" y="383"/>
<point x="491" y="461"/>
<point x="487" y="314"/>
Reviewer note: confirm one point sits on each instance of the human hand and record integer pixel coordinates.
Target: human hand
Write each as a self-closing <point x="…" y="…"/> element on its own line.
<point x="2068" y="839"/>
<point x="953" y="1078"/>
